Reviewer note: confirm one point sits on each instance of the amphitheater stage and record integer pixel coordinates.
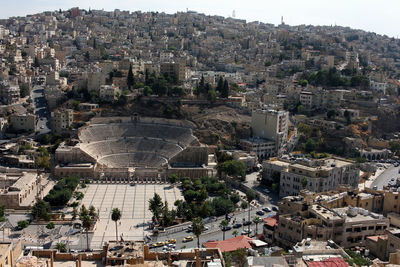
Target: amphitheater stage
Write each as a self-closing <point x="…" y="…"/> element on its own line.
<point x="133" y="201"/>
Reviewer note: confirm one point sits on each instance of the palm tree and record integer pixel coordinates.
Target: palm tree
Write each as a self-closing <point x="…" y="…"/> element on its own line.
<point x="250" y="195"/>
<point x="197" y="228"/>
<point x="235" y="233"/>
<point x="86" y="224"/>
<point x="223" y="224"/>
<point x="61" y="247"/>
<point x="116" y="216"/>
<point x="256" y="220"/>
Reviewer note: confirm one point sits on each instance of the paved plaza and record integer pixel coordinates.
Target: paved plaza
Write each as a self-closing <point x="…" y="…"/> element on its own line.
<point x="133" y="201"/>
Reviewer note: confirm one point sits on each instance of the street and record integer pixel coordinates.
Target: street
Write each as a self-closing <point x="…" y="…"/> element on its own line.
<point x="41" y="109"/>
<point x="383" y="179"/>
<point x="214" y="232"/>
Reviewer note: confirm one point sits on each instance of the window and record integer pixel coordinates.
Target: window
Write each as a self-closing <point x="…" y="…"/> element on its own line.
<point x="396" y="197"/>
<point x="370" y="228"/>
<point x="348" y="230"/>
<point x="363" y="228"/>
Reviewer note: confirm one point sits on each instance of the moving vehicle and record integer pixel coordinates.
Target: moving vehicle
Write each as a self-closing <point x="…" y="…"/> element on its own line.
<point x="158" y="244"/>
<point x="170" y="241"/>
<point x="247" y="223"/>
<point x="187" y="239"/>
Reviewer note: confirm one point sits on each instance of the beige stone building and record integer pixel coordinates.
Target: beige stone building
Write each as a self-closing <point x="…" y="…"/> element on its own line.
<point x="314" y="175"/>
<point x="174" y="69"/>
<point x="271" y="125"/>
<point x="9" y="253"/>
<point x="18" y="189"/>
<point x="61" y="120"/>
<point x="24" y="122"/>
<point x="348" y="227"/>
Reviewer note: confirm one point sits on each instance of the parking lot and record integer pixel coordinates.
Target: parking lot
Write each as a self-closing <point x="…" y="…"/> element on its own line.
<point x="133" y="203"/>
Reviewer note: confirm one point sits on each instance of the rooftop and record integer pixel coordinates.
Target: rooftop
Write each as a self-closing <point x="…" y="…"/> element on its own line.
<point x="125" y="249"/>
<point x="230" y="244"/>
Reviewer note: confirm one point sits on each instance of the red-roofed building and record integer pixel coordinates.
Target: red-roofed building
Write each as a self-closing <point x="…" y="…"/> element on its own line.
<point x="230" y="244"/>
<point x="330" y="262"/>
<point x="270" y="225"/>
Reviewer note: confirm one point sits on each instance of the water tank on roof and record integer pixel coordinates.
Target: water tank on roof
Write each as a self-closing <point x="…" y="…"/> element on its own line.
<point x="352" y="211"/>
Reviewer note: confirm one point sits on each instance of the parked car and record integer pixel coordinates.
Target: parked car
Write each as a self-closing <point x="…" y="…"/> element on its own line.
<point x="237" y="225"/>
<point x="267" y="209"/>
<point x="260" y="212"/>
<point x="245" y="232"/>
<point x="226" y="228"/>
<point x="274" y="208"/>
<point x="247" y="223"/>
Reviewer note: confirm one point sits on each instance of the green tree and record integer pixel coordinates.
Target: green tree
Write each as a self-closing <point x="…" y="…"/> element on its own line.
<point x="223" y="224"/>
<point x="23" y="90"/>
<point x="50" y="225"/>
<point x="41" y="210"/>
<point x="220" y="85"/>
<point x="256" y="220"/>
<point x="235" y="198"/>
<point x="84" y="211"/>
<point x="244" y="205"/>
<point x="130" y="80"/>
<point x="311" y="145"/>
<point x="92" y="211"/>
<point x="173" y="178"/>
<point x="212" y="95"/>
<point x="43" y="162"/>
<point x="147" y="91"/>
<point x="233" y="167"/>
<point x="22" y="224"/>
<point x="225" y="90"/>
<point x="61" y="247"/>
<point x="156" y="205"/>
<point x="235" y="233"/>
<point x="116" y="216"/>
<point x="197" y="228"/>
<point x="74" y="213"/>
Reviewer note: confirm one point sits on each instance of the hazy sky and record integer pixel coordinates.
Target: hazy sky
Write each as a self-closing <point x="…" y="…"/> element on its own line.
<point x="380" y="16"/>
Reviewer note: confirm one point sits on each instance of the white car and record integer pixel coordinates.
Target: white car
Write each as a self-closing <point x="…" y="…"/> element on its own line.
<point x="41" y="127"/>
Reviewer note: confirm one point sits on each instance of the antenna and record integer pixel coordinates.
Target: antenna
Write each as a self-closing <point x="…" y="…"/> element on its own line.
<point x="282" y="20"/>
<point x="233" y="14"/>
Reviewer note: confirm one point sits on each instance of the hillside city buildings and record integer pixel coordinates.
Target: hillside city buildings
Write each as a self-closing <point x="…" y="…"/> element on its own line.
<point x="306" y="117"/>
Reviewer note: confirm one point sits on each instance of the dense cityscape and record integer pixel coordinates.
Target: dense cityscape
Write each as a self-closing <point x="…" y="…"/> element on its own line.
<point x="154" y="139"/>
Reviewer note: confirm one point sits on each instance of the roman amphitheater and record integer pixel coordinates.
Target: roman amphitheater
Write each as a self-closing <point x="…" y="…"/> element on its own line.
<point x="133" y="149"/>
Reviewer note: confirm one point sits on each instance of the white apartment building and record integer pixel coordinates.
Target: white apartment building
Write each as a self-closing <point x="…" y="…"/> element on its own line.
<point x="377" y="86"/>
<point x="271" y="125"/>
<point x="61" y="120"/>
<point x="108" y="92"/>
<point x="315" y="175"/>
